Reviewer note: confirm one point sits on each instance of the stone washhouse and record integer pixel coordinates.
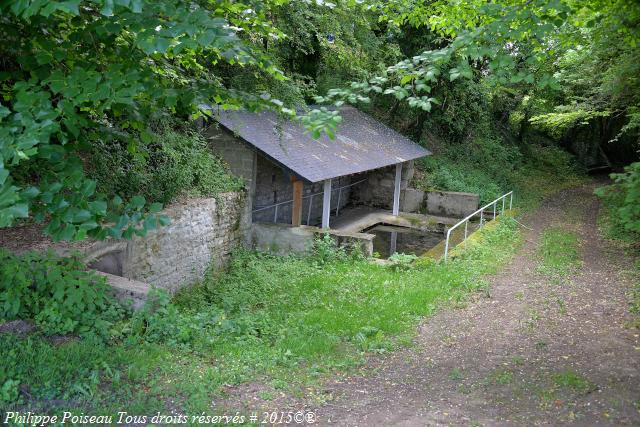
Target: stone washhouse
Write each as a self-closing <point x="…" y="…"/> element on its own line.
<point x="296" y="189"/>
<point x="298" y="186"/>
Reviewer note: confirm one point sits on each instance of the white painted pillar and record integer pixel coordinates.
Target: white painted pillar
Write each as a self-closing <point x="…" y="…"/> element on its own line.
<point x="396" y="190"/>
<point x="326" y="203"/>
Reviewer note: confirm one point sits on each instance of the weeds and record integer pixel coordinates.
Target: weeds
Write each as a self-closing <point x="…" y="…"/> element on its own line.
<point x="501" y="377"/>
<point x="572" y="381"/>
<point x="455" y="374"/>
<point x="287" y="320"/>
<point x="559" y="252"/>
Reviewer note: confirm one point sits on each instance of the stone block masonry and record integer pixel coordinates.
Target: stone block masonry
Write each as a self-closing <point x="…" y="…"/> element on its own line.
<point x="379" y="188"/>
<point x="202" y="235"/>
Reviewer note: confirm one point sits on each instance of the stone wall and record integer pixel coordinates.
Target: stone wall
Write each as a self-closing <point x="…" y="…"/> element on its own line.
<point x="273" y="185"/>
<point x="283" y="239"/>
<point x="378" y="190"/>
<point x="240" y="156"/>
<point x="412" y="200"/>
<point x="452" y="204"/>
<point x="202" y="234"/>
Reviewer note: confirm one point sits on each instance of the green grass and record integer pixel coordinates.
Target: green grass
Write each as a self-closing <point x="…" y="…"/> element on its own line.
<point x="285" y="322"/>
<point x="559" y="252"/>
<point x="501" y="377"/>
<point x="455" y="374"/>
<point x="570" y="380"/>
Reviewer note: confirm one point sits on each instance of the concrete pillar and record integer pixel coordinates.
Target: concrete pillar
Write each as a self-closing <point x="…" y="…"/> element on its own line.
<point x="326" y="203"/>
<point x="396" y="190"/>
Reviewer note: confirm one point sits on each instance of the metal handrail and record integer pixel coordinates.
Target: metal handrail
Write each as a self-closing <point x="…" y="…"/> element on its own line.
<point x="465" y="221"/>
<point x="308" y="196"/>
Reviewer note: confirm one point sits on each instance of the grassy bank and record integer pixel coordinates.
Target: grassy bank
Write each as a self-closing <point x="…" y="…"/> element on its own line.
<point x="491" y="169"/>
<point x="285" y="322"/>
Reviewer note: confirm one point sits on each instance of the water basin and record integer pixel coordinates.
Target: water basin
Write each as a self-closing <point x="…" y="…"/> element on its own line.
<point x="391" y="239"/>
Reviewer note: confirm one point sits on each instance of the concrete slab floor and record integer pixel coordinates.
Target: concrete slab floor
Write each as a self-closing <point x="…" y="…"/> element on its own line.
<point x="356" y="219"/>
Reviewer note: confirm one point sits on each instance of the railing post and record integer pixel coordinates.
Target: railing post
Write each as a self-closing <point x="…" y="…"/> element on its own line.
<point x="481" y="217"/>
<point x="503" y="200"/>
<point x="446" y="246"/>
<point x="466" y="226"/>
<point x="494" y="209"/>
<point x="511" y="200"/>
<point x="275" y="215"/>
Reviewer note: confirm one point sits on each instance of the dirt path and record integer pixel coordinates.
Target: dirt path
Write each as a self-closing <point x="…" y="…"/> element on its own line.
<point x="537" y="352"/>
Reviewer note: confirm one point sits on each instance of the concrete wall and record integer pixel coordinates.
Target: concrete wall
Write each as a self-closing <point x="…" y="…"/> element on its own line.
<point x="202" y="234"/>
<point x="412" y="200"/>
<point x="447" y="203"/>
<point x="283" y="239"/>
<point x="378" y="190"/>
<point x="240" y="156"/>
<point x="273" y="185"/>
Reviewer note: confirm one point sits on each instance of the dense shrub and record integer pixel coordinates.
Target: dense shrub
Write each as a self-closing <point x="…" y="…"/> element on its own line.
<point x="58" y="293"/>
<point x="160" y="321"/>
<point x="172" y="163"/>
<point x="491" y="168"/>
<point x="622" y="200"/>
<point x="483" y="166"/>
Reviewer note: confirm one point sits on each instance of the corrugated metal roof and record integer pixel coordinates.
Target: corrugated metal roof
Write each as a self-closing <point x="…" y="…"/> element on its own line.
<point x="362" y="143"/>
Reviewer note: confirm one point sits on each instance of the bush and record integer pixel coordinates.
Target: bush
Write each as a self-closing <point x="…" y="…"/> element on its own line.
<point x="482" y="166"/>
<point x="160" y="321"/>
<point x="171" y="164"/>
<point x="622" y="200"/>
<point x="58" y="293"/>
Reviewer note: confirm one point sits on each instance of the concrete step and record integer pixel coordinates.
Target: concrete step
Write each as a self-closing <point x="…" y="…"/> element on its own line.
<point x="128" y="290"/>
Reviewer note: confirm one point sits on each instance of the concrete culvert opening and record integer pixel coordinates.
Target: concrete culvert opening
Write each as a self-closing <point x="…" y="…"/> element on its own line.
<point x="111" y="263"/>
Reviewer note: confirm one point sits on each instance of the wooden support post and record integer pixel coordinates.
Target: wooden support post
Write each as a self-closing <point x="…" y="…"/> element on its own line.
<point x="326" y="203"/>
<point x="296" y="209"/>
<point x="396" y="190"/>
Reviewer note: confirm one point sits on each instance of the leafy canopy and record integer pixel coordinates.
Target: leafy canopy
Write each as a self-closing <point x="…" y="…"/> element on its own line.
<point x="77" y="72"/>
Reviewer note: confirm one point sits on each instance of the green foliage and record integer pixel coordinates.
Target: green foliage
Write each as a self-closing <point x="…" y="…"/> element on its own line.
<point x="75" y="74"/>
<point x="159" y="321"/>
<point x="507" y="44"/>
<point x="311" y="309"/>
<point x="491" y="168"/>
<point x="57" y="293"/>
<point x="623" y="202"/>
<point x="79" y="373"/>
<point x="400" y="261"/>
<point x="482" y="166"/>
<point x="172" y="163"/>
<point x="557" y="124"/>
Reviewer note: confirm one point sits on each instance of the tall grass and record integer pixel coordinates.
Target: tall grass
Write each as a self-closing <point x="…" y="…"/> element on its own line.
<point x="282" y="321"/>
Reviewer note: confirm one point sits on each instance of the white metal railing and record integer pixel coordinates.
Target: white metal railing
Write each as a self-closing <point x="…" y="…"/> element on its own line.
<point x="310" y="197"/>
<point x="480" y="211"/>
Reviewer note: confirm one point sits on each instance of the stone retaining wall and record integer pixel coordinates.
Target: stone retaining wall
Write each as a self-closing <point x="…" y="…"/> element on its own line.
<point x="202" y="234"/>
<point x="452" y="204"/>
<point x="283" y="239"/>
